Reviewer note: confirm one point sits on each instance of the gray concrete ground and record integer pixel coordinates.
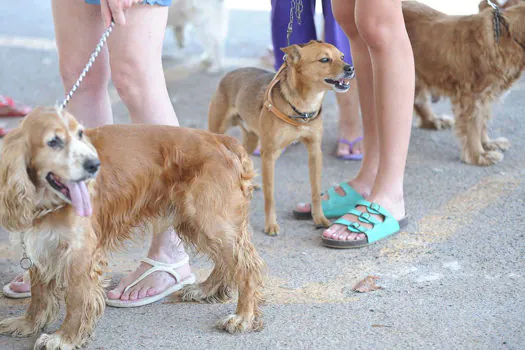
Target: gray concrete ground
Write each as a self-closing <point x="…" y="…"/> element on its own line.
<point x="454" y="279"/>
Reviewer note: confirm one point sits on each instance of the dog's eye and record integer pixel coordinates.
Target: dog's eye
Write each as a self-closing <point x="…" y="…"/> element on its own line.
<point x="324" y="60"/>
<point x="342" y="57"/>
<point x="55" y="142"/>
<point x="80" y="134"/>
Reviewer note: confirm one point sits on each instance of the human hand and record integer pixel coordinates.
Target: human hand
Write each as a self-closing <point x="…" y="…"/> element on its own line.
<point x="114" y="9"/>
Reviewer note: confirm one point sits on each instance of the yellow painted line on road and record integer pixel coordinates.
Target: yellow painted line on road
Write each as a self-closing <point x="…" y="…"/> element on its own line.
<point x="434" y="228"/>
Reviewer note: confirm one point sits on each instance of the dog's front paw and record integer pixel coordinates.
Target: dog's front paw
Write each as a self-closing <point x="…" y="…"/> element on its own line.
<point x="499" y="144"/>
<point x="52" y="342"/>
<point x="321" y="221"/>
<point x="18" y="327"/>
<point x="239" y="324"/>
<point x="271" y="229"/>
<point x="484" y="159"/>
<point x="437" y="123"/>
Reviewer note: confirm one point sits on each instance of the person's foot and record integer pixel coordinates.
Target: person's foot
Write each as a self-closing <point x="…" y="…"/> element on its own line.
<point x="350" y="148"/>
<point x="360" y="188"/>
<point x="152" y="285"/>
<point x="341" y="233"/>
<point x="18" y="285"/>
<point x="8" y="108"/>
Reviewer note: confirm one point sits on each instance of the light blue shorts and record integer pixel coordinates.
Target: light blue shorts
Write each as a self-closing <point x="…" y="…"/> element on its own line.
<point x="149" y="2"/>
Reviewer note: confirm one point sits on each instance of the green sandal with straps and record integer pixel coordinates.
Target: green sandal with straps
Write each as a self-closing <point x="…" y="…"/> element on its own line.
<point x="336" y="205"/>
<point x="379" y="230"/>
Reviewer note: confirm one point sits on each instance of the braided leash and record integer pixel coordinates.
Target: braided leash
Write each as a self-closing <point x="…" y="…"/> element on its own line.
<point x="88" y="66"/>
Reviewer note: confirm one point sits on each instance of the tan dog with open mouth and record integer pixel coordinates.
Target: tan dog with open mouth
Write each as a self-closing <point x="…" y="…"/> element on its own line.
<point x="72" y="196"/>
<point x="281" y="108"/>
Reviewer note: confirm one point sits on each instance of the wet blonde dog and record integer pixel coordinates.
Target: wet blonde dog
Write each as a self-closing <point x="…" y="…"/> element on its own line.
<point x="281" y="108"/>
<point x="73" y="195"/>
<point x="461" y="58"/>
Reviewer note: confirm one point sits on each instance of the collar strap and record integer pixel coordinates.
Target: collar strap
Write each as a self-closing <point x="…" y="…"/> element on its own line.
<point x="268" y="103"/>
<point x="498" y="21"/>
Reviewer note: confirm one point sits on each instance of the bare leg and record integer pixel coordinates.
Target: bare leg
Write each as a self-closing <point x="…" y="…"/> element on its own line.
<point x="349" y="122"/>
<point x="385" y="75"/>
<point x="136" y="69"/>
<point x="76" y="19"/>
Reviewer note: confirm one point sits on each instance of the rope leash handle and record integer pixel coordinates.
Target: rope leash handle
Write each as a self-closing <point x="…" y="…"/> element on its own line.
<point x="88" y="66"/>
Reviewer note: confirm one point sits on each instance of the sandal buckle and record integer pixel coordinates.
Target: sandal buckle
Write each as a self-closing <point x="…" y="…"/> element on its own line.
<point x="374" y="206"/>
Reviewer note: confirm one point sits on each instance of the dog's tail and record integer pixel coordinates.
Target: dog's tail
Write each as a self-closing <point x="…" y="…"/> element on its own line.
<point x="246" y="170"/>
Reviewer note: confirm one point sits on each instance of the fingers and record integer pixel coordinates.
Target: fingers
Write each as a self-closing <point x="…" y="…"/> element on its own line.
<point x="114" y="9"/>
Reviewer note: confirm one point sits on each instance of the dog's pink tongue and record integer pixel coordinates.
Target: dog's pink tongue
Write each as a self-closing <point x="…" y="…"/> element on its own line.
<point x="80" y="198"/>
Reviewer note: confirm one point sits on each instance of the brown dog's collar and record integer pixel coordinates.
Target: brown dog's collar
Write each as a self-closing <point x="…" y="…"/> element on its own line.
<point x="268" y="103"/>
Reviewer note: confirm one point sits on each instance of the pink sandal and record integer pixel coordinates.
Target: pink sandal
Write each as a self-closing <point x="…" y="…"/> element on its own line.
<point x="8" y="108"/>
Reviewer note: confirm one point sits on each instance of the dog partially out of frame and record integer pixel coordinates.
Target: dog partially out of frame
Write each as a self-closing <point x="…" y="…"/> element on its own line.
<point x="209" y="19"/>
<point x="281" y="108"/>
<point x="473" y="62"/>
<point x="73" y="195"/>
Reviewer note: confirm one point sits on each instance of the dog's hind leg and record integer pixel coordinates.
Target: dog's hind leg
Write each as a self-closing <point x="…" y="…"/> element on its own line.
<point x="498" y="144"/>
<point x="42" y="310"/>
<point x="470" y="124"/>
<point x="427" y="118"/>
<point x="245" y="267"/>
<point x="249" y="140"/>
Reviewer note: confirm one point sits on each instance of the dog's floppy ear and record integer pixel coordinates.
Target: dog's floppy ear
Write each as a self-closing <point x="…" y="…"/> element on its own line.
<point x="17" y="192"/>
<point x="292" y="54"/>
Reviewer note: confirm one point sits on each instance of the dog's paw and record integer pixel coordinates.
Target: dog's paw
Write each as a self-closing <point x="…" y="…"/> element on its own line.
<point x="322" y="222"/>
<point x="239" y="324"/>
<point x="17" y="327"/>
<point x="271" y="229"/>
<point x="484" y="159"/>
<point x="52" y="342"/>
<point x="437" y="123"/>
<point x="198" y="293"/>
<point x="499" y="144"/>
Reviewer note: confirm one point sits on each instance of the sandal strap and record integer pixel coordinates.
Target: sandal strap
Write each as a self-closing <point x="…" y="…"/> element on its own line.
<point x="373" y="208"/>
<point x="350" y="143"/>
<point x="159" y="266"/>
<point x="351" y="226"/>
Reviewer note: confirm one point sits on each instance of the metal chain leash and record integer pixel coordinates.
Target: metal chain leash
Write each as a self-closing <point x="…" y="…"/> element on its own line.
<point x="88" y="66"/>
<point x="496" y="19"/>
<point x="297" y="7"/>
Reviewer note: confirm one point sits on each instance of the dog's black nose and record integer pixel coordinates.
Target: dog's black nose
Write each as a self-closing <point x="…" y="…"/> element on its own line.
<point x="91" y="165"/>
<point x="349" y="68"/>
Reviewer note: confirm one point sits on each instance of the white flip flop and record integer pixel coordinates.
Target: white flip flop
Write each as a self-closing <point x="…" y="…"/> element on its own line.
<point x="155" y="266"/>
<point x="8" y="292"/>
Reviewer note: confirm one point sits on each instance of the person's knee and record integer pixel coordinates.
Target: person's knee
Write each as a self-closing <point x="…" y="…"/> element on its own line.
<point x="128" y="79"/>
<point x="344" y="15"/>
<point x="70" y="70"/>
<point x="378" y="32"/>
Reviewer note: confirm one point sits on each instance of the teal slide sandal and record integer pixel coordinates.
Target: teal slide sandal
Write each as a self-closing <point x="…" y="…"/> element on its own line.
<point x="336" y="205"/>
<point x="379" y="230"/>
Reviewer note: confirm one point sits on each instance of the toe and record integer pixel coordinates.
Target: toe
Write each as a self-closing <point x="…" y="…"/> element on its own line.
<point x="143" y="292"/>
<point x="303" y="208"/>
<point x="20" y="287"/>
<point x="151" y="292"/>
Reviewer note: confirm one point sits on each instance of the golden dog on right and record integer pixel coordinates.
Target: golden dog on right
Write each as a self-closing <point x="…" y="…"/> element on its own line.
<point x="472" y="60"/>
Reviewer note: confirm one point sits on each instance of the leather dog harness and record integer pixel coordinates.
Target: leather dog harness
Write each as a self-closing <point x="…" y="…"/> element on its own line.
<point x="292" y="120"/>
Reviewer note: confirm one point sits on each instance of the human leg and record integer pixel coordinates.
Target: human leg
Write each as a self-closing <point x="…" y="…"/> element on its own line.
<point x="349" y="121"/>
<point x="362" y="183"/>
<point x="136" y="65"/>
<point x="389" y="90"/>
<point x="76" y="19"/>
